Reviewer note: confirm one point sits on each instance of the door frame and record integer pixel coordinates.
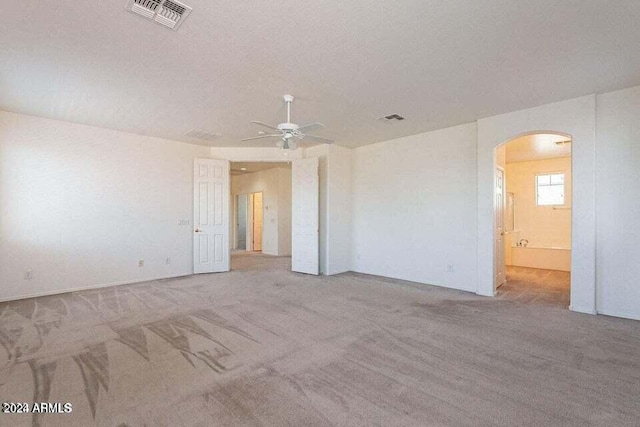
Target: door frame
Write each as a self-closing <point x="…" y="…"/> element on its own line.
<point x="574" y="238"/>
<point x="250" y="221"/>
<point x="232" y="155"/>
<point x="497" y="260"/>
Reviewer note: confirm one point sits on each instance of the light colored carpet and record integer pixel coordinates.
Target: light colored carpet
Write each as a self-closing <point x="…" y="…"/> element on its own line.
<point x="264" y="346"/>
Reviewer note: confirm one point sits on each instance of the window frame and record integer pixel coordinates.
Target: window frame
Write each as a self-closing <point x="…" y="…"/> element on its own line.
<point x="564" y="187"/>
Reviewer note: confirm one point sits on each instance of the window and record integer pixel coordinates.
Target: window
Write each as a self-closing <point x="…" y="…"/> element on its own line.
<point x="550" y="189"/>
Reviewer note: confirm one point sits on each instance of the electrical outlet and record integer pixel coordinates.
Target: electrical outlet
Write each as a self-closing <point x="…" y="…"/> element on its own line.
<point x="168" y="261"/>
<point x="140" y="263"/>
<point x="450" y="268"/>
<point x="28" y="275"/>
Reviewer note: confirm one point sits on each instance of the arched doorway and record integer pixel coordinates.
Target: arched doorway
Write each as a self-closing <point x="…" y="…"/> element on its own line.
<point x="533" y="217"/>
<point x="576" y="118"/>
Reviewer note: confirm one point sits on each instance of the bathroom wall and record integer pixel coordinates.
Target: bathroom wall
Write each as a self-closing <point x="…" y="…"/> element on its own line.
<point x="542" y="226"/>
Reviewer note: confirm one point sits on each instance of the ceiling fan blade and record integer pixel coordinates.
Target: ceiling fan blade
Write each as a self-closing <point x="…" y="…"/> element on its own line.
<point x="265" y="125"/>
<point x="261" y="136"/>
<point x="310" y="127"/>
<point x="318" y="139"/>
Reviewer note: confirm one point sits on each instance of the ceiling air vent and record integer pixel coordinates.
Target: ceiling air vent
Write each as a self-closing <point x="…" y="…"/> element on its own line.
<point x="201" y="134"/>
<point x="392" y="118"/>
<point x="169" y="13"/>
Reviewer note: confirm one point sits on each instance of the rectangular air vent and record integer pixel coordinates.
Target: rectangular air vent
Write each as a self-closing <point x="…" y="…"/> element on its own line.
<point x="392" y="117"/>
<point x="169" y="13"/>
<point x="201" y="134"/>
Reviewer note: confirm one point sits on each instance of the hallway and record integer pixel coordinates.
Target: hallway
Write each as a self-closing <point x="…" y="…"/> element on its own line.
<point x="257" y="262"/>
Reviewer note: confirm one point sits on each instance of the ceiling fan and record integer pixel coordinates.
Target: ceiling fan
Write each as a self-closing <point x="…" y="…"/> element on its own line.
<point x="288" y="132"/>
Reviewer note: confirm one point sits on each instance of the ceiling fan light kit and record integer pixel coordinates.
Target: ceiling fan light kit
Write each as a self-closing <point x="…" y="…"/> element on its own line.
<point x="288" y="133"/>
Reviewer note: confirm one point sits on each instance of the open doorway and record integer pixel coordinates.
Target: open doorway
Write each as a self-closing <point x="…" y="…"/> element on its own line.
<point x="249" y="215"/>
<point x="242" y="218"/>
<point x="533" y="216"/>
<point x="261" y="192"/>
<point x="289" y="221"/>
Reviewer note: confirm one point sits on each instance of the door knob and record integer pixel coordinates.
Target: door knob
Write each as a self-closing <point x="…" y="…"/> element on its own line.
<point x="197" y="230"/>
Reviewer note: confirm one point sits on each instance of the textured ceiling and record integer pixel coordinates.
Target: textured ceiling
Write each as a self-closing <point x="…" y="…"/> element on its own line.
<point x="537" y="147"/>
<point x="438" y="63"/>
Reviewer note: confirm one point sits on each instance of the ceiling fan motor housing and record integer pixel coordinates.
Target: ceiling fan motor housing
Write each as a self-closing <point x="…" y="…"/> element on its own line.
<point x="288" y="126"/>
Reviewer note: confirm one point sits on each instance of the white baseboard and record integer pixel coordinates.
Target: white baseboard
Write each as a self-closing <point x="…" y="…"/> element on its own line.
<point x="415" y="281"/>
<point x="482" y="294"/>
<point x="583" y="310"/>
<point x="622" y="315"/>
<point x="631" y="316"/>
<point x="333" y="272"/>
<point x="85" y="288"/>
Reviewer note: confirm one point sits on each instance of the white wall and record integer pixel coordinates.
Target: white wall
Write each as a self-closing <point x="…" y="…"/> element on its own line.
<point x="273" y="184"/>
<point x="542" y="226"/>
<point x="338" y="210"/>
<point x="81" y="205"/>
<point x="414" y="208"/>
<point x="284" y="211"/>
<point x="576" y="117"/>
<point x="335" y="207"/>
<point x="618" y="207"/>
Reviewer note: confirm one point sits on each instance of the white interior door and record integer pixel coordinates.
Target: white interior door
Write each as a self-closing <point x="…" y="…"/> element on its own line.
<point x="499" y="193"/>
<point x="304" y="233"/>
<point x="211" y="216"/>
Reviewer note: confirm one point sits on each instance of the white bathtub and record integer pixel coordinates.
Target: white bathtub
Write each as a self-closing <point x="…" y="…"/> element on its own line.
<point x="538" y="257"/>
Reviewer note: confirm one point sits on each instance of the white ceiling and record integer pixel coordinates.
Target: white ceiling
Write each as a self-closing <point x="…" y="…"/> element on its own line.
<point x="251" y="167"/>
<point x="438" y="63"/>
<point x="537" y="147"/>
